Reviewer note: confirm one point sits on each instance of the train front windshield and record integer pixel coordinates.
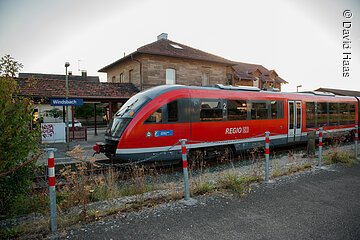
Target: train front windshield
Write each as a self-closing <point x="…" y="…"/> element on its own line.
<point x="125" y="114"/>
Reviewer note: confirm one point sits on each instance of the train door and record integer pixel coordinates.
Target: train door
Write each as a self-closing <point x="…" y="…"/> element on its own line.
<point x="294" y="120"/>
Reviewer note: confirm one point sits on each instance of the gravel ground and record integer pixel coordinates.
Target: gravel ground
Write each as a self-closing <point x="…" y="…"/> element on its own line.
<point x="321" y="204"/>
<point x="170" y="182"/>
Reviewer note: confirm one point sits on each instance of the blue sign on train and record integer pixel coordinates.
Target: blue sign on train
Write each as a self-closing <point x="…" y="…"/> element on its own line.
<point x="164" y="133"/>
<point x="66" y="102"/>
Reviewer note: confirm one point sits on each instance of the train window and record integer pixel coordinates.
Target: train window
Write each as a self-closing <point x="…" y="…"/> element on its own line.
<point x="352" y="113"/>
<point x="167" y="113"/>
<point x="291" y="115"/>
<point x="322" y="114"/>
<point x="156" y="117"/>
<point x="211" y="111"/>
<point x="274" y="109"/>
<point x="259" y="110"/>
<point x="237" y="110"/>
<point x="344" y="113"/>
<point x="173" y="111"/>
<point x="298" y="115"/>
<point x="310" y="115"/>
<point x="277" y="109"/>
<point x="280" y="113"/>
<point x="333" y="114"/>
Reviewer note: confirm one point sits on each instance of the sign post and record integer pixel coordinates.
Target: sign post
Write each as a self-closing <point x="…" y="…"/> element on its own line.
<point x="67" y="102"/>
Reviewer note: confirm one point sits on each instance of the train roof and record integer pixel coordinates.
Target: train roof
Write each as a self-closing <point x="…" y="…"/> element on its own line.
<point x="158" y="90"/>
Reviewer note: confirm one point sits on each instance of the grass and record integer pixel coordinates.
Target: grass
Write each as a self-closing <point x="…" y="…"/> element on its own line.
<point x="203" y="188"/>
<point x="340" y="157"/>
<point x="9" y="233"/>
<point x="236" y="183"/>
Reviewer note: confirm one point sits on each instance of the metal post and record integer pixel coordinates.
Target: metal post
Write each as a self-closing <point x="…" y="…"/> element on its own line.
<point x="267" y="153"/>
<point x="73" y="123"/>
<point x="356" y="140"/>
<point x="67" y="107"/>
<point x="320" y="146"/>
<point x="51" y="179"/>
<point x="185" y="169"/>
<point x="95" y="123"/>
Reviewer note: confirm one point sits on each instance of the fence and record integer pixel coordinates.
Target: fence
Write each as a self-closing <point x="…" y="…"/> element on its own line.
<point x="78" y="133"/>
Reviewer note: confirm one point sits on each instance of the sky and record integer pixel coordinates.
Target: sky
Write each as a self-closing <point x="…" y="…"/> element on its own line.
<point x="303" y="40"/>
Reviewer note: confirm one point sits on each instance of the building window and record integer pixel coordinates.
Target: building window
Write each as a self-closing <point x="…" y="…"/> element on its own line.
<point x="113" y="79"/>
<point x="205" y="79"/>
<point x="130" y="75"/>
<point x="256" y="83"/>
<point x="170" y="76"/>
<point x="121" y="78"/>
<point x="229" y="78"/>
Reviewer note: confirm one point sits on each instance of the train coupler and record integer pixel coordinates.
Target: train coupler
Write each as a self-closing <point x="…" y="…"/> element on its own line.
<point x="99" y="148"/>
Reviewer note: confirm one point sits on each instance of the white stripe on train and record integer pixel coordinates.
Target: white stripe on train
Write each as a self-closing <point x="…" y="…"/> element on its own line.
<point x="211" y="144"/>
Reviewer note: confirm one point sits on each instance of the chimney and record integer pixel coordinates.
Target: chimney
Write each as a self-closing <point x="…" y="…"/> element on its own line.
<point x="84" y="74"/>
<point x="162" y="36"/>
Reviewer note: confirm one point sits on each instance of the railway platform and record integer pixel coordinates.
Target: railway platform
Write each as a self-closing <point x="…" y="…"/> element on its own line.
<point x="61" y="154"/>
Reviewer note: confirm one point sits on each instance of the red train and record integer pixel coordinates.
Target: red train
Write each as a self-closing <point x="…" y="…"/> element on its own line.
<point x="150" y="124"/>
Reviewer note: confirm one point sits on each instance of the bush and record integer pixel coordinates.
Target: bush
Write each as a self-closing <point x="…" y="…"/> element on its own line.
<point x="17" y="140"/>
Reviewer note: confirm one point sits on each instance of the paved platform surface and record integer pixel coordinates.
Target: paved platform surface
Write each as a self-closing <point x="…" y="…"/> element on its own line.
<point x="320" y="205"/>
<point x="61" y="154"/>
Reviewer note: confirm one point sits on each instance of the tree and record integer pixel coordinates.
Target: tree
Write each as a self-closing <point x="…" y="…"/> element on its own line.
<point x="9" y="67"/>
<point x="17" y="140"/>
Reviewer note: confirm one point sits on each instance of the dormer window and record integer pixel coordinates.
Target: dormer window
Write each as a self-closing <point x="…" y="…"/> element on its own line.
<point x="175" y="46"/>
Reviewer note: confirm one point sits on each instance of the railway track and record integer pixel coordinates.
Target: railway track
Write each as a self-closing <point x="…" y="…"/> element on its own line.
<point x="124" y="170"/>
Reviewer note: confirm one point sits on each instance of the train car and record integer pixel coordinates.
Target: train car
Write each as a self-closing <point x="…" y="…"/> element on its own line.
<point x="151" y="123"/>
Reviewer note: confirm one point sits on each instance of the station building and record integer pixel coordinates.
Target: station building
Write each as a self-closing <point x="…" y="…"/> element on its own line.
<point x="160" y="62"/>
<point x="168" y="62"/>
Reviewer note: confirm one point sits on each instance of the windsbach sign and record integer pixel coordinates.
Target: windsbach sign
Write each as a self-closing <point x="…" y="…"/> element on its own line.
<point x="66" y="102"/>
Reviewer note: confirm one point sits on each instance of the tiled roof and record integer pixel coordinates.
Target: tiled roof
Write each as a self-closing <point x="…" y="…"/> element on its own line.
<point x="280" y="80"/>
<point x="243" y="75"/>
<point x="248" y="68"/>
<point x="41" y="88"/>
<point x="266" y="78"/>
<point x="59" y="77"/>
<point x="340" y="91"/>
<point x="165" y="47"/>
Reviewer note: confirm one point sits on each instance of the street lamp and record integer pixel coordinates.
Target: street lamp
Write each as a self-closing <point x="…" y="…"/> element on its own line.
<point x="67" y="107"/>
<point x="297" y="88"/>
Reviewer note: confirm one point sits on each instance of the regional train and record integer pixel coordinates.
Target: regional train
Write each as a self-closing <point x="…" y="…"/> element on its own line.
<point x="151" y="123"/>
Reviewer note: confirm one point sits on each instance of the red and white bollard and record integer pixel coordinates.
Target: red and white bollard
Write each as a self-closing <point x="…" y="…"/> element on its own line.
<point x="356" y="140"/>
<point x="320" y="146"/>
<point x="185" y="169"/>
<point x="52" y="193"/>
<point x="267" y="155"/>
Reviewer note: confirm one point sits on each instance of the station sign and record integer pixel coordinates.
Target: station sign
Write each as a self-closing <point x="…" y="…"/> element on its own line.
<point x="66" y="102"/>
